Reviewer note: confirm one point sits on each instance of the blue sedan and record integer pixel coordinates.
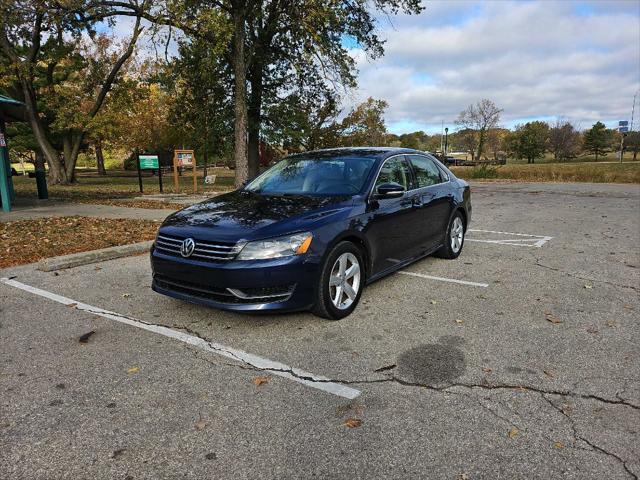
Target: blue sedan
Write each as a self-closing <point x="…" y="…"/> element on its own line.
<point x="312" y="231"/>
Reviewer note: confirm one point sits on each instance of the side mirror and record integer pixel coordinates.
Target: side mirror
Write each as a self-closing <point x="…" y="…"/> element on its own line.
<point x="389" y="190"/>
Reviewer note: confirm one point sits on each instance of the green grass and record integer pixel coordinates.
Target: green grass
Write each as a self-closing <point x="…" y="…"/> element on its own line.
<point x="556" y="172"/>
<point x="111" y="187"/>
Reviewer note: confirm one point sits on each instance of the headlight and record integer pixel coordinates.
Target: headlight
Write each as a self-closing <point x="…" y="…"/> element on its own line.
<point x="286" y="246"/>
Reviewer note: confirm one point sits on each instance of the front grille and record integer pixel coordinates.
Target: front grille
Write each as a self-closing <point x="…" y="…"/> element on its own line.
<point x="225" y="295"/>
<point x="204" y="251"/>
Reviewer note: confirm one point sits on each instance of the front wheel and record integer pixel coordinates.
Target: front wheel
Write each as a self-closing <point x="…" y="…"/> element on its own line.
<point x="454" y="239"/>
<point x="341" y="282"/>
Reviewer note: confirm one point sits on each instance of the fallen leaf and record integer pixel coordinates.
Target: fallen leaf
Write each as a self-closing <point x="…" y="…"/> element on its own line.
<point x="353" y="422"/>
<point x="260" y="381"/>
<point x="589" y="287"/>
<point x="612" y="323"/>
<point x="558" y="445"/>
<point x="487" y="370"/>
<point x="133" y="370"/>
<point x="433" y="302"/>
<point x="72" y="305"/>
<point x="548" y="373"/>
<point x="85" y="337"/>
<point x="126" y="295"/>
<point x="513" y="432"/>
<point x="459" y="322"/>
<point x="463" y="476"/>
<point x="552" y="318"/>
<point x="593" y="329"/>
<point x="200" y="425"/>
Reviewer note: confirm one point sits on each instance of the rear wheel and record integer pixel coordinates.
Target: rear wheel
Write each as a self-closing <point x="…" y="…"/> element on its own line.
<point x="341" y="282"/>
<point x="454" y="239"/>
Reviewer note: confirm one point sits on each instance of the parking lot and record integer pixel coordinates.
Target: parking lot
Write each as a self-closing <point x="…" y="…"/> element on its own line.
<point x="520" y="359"/>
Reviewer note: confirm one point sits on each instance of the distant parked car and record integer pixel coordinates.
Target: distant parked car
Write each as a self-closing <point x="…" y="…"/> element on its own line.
<point x="312" y="230"/>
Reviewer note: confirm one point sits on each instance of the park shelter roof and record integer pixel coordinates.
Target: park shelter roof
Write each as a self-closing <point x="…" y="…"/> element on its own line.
<point x="12" y="110"/>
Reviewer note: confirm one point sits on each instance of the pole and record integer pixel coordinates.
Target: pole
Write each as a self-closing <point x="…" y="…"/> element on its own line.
<point x="139" y="171"/>
<point x="175" y="173"/>
<point x="195" y="173"/>
<point x="446" y="142"/>
<point x="160" y="174"/>
<point x="633" y="110"/>
<point x="5" y="171"/>
<point x="621" y="145"/>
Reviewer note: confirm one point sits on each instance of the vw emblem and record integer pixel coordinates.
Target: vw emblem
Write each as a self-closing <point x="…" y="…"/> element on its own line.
<point x="186" y="249"/>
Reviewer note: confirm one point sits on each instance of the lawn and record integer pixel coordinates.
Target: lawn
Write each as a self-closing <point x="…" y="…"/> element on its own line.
<point x="26" y="241"/>
<point x="119" y="188"/>
<point x="556" y="172"/>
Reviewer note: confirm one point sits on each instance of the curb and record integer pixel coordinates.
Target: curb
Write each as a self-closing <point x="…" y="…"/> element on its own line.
<point x="94" y="256"/>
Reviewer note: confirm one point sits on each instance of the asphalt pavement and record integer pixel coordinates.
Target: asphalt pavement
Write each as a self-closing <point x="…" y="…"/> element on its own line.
<point x="520" y="359"/>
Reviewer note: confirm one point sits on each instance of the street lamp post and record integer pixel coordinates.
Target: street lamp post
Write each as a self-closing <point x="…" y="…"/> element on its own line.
<point x="446" y="141"/>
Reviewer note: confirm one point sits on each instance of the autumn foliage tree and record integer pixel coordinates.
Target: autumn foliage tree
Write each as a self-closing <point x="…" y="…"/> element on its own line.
<point x="63" y="72"/>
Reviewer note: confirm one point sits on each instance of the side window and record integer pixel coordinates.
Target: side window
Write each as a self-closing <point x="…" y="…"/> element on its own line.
<point x="427" y="173"/>
<point x="396" y="170"/>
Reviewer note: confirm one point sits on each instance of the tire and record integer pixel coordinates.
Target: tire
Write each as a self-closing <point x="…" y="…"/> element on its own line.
<point x="454" y="238"/>
<point x="327" y="292"/>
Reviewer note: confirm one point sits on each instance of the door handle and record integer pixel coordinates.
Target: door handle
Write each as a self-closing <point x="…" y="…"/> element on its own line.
<point x="416" y="201"/>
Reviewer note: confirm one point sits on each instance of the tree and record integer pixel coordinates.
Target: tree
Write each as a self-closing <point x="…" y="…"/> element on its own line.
<point x="529" y="140"/>
<point x="632" y="143"/>
<point x="496" y="141"/>
<point x="564" y="140"/>
<point x="364" y="125"/>
<point x="43" y="44"/>
<point x="597" y="139"/>
<point x="479" y="118"/>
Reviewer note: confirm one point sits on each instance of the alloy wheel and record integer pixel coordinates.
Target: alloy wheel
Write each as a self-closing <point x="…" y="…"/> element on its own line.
<point x="344" y="281"/>
<point x="457" y="234"/>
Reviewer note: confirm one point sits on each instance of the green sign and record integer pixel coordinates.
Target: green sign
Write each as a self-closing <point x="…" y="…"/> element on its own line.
<point x="148" y="161"/>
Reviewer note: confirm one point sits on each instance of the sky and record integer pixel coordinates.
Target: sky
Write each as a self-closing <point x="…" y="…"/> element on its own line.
<point x="535" y="59"/>
<point x="577" y="60"/>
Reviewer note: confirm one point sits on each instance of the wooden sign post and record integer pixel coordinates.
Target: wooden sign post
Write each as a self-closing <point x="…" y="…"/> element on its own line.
<point x="184" y="158"/>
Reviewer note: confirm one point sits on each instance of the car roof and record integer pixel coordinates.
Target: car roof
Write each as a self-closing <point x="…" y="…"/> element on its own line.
<point x="374" y="152"/>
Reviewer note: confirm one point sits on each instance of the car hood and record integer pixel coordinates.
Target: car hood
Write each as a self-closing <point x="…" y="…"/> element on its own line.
<point x="243" y="215"/>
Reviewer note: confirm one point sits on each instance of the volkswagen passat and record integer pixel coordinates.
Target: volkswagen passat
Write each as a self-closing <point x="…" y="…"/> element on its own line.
<point x="312" y="231"/>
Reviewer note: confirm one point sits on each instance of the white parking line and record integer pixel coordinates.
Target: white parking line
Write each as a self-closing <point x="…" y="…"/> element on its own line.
<point x="443" y="279"/>
<point x="270" y="366"/>
<point x="529" y="240"/>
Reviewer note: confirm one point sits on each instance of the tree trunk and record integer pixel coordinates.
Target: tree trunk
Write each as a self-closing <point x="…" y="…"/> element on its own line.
<point x="480" y="145"/>
<point x="240" y="73"/>
<point x="39" y="163"/>
<point x="57" y="173"/>
<point x="255" y="118"/>
<point x="100" y="158"/>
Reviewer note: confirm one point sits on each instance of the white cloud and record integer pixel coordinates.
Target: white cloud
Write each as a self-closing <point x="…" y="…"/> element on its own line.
<point x="579" y="60"/>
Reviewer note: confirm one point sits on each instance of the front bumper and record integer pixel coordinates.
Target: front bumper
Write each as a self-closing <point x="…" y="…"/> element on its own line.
<point x="282" y="284"/>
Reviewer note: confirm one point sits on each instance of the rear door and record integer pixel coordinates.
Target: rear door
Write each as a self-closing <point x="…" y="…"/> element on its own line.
<point x="391" y="230"/>
<point x="434" y="201"/>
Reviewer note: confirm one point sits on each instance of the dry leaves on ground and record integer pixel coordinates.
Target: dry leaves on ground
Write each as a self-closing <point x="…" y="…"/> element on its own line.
<point x="260" y="381"/>
<point x="26" y="241"/>
<point x="352" y="422"/>
<point x="552" y="318"/>
<point x="513" y="432"/>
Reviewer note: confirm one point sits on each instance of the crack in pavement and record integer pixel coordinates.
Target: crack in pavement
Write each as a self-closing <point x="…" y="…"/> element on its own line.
<point x="593" y="446"/>
<point x="576" y="275"/>
<point x="392" y="378"/>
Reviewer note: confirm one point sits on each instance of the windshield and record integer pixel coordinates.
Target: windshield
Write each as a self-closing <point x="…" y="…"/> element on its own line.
<point x="314" y="176"/>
